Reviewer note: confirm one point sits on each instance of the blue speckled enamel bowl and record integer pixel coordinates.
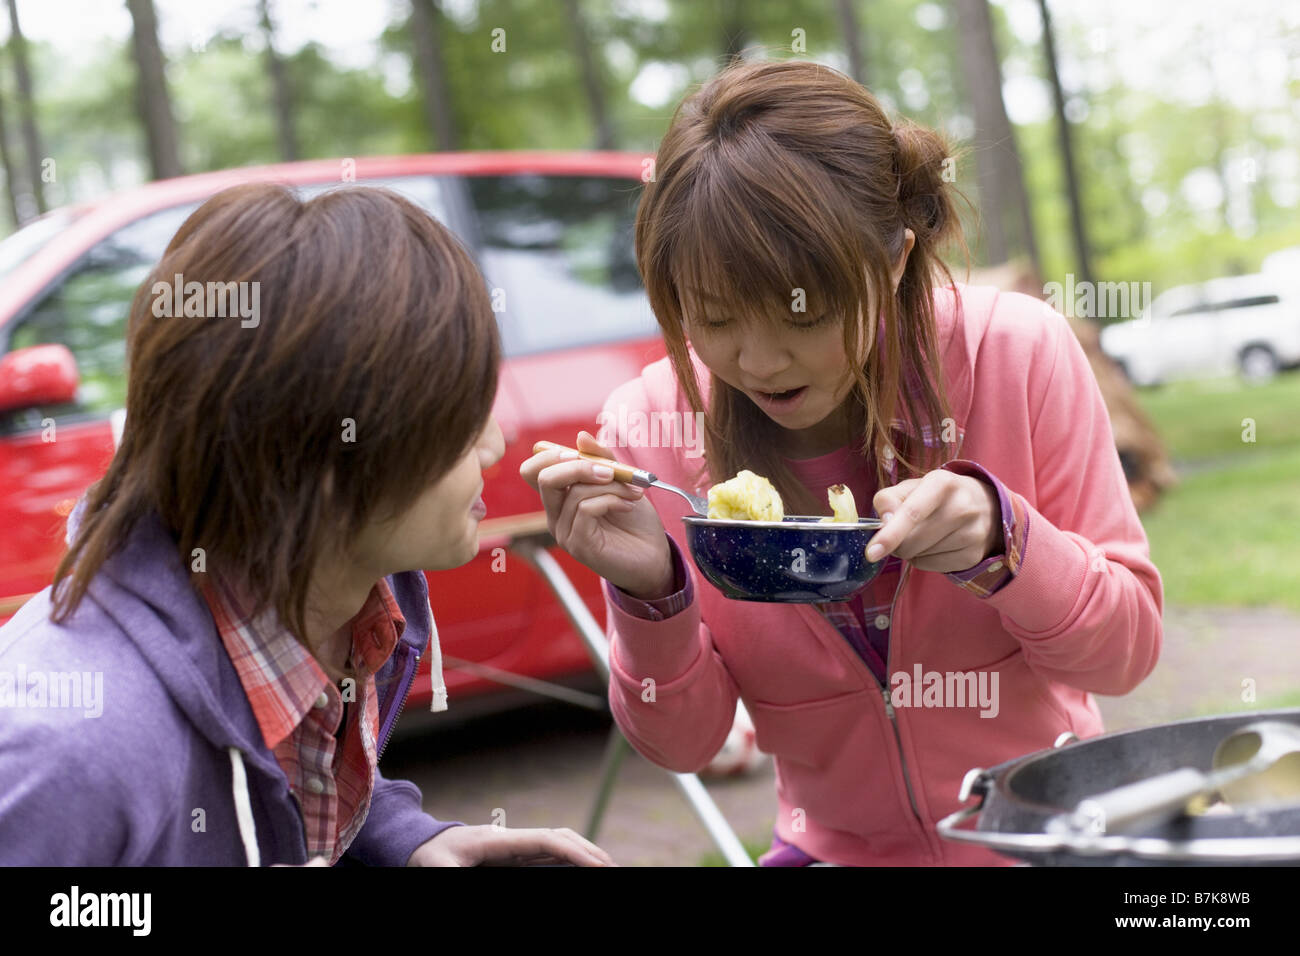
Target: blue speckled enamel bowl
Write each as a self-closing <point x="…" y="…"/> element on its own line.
<point x="795" y="561"/>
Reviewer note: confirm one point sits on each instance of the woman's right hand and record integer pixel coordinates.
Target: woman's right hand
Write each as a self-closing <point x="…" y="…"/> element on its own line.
<point x="605" y="524"/>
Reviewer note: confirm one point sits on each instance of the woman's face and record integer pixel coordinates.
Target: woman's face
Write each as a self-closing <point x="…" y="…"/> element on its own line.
<point x="440" y="528"/>
<point x="795" y="369"/>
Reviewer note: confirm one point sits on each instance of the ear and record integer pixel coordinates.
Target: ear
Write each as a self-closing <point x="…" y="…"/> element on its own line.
<point x="909" y="240"/>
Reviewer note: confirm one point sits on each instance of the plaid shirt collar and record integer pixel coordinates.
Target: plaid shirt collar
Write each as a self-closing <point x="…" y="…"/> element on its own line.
<point x="280" y="676"/>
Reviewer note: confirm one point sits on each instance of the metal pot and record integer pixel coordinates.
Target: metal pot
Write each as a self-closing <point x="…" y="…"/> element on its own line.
<point x="1019" y="797"/>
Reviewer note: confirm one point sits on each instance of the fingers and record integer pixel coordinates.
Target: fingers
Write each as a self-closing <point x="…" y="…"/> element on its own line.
<point x="588" y="848"/>
<point x="532" y="467"/>
<point x="583" y="506"/>
<point x="588" y="442"/>
<point x="514" y="846"/>
<point x="564" y="482"/>
<point x="887" y="500"/>
<point x="940" y="522"/>
<point x="912" y="502"/>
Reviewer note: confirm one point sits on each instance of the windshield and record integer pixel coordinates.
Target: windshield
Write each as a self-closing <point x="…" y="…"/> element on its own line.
<point x="27" y="241"/>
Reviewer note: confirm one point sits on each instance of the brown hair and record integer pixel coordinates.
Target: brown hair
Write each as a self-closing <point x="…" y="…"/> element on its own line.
<point x="779" y="176"/>
<point x="237" y="432"/>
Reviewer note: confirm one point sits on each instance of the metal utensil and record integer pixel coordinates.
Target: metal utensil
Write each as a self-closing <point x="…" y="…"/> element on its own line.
<point x="631" y="476"/>
<point x="1258" y="763"/>
<point x="1011" y="803"/>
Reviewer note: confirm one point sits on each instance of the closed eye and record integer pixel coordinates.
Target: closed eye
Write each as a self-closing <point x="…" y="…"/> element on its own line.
<point x="815" y="323"/>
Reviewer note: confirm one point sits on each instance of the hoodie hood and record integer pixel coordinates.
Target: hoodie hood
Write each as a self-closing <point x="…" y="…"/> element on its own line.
<point x="145" y="589"/>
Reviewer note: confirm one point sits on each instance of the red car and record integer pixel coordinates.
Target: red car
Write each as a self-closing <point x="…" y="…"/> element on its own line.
<point x="552" y="234"/>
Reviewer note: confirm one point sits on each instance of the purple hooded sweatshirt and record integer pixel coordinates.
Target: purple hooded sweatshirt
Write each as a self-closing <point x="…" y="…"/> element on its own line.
<point x="126" y="737"/>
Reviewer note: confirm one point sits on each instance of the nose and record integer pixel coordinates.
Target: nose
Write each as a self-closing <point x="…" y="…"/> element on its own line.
<point x="491" y="444"/>
<point x="761" y="353"/>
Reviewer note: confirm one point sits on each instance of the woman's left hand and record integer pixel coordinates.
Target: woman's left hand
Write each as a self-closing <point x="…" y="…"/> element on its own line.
<point x="939" y="522"/>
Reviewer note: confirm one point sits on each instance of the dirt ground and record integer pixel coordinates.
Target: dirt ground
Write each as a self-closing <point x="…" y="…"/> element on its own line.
<point x="538" y="765"/>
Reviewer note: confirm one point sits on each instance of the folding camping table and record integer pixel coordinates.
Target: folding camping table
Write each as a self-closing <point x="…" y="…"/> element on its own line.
<point x="528" y="537"/>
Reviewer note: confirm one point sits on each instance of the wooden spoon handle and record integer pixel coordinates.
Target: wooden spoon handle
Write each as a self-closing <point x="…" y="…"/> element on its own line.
<point x="622" y="472"/>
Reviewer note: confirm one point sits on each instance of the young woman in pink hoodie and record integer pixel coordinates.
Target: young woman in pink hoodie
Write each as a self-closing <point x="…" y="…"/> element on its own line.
<point x="790" y="243"/>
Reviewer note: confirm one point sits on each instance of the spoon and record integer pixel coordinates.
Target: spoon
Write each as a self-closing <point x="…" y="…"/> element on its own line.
<point x="631" y="476"/>
<point x="1258" y="763"/>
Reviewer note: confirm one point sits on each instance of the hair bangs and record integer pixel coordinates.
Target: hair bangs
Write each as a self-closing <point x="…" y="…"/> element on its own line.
<point x="742" y="252"/>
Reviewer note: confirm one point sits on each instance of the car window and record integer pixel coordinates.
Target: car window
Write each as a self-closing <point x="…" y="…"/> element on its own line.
<point x="557" y="253"/>
<point x="27" y="241"/>
<point x="1248" y="302"/>
<point x="88" y="309"/>
<point x="428" y="192"/>
<point x="1180" y="300"/>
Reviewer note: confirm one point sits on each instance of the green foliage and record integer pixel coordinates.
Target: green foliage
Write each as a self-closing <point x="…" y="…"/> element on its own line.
<point x="1228" y="534"/>
<point x="1130" y="143"/>
<point x="755" y="849"/>
<point x="1203" y="420"/>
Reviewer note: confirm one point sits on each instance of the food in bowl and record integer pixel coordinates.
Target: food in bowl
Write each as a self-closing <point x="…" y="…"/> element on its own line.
<point x="751" y="497"/>
<point x="747" y="497"/>
<point x="749" y="556"/>
<point x="843" y="506"/>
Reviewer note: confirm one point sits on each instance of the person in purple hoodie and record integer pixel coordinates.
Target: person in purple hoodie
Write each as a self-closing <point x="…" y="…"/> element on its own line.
<point x="243" y="597"/>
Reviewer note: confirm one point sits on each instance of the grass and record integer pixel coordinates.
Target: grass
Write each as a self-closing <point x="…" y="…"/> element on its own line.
<point x="1276" y="702"/>
<point x="1229" y="533"/>
<point x="755" y="849"/>
<point x="1229" y="537"/>
<point x="1203" y="420"/>
<point x="1232" y="536"/>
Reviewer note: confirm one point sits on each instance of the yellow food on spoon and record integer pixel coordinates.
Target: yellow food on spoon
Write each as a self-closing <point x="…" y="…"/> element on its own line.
<point x="747" y="497"/>
<point x="843" y="506"/>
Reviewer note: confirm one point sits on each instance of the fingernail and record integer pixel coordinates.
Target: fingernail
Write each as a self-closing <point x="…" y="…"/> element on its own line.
<point x="637" y="490"/>
<point x="886" y="516"/>
<point x="602" y="471"/>
<point x="568" y="454"/>
<point x="873" y="552"/>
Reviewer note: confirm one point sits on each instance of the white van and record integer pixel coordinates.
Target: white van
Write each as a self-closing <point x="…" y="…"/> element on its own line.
<point x="1249" y="324"/>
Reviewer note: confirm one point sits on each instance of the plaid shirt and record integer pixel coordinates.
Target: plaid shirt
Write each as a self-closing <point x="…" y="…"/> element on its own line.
<point x="300" y="711"/>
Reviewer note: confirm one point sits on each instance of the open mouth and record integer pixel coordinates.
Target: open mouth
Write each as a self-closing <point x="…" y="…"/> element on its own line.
<point x="786" y="396"/>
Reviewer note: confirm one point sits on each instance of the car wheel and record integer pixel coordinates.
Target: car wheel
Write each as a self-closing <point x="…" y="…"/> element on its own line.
<point x="1258" y="364"/>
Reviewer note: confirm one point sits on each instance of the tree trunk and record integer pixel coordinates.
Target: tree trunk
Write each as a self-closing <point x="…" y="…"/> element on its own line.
<point x="1004" y="203"/>
<point x="734" y="34"/>
<point x="426" y="38"/>
<point x="35" y="155"/>
<point x="1082" y="256"/>
<point x="589" y="67"/>
<point x="6" y="160"/>
<point x="153" y="99"/>
<point x="852" y="31"/>
<point x="281" y="94"/>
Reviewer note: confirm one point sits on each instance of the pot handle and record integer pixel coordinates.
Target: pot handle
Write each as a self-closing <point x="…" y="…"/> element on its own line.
<point x="1148" y="802"/>
<point x="975" y="783"/>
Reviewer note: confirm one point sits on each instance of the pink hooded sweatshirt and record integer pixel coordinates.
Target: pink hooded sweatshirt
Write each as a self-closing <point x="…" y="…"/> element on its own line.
<point x="861" y="782"/>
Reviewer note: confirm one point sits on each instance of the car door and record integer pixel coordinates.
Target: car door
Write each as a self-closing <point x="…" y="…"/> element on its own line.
<point x="557" y="253"/>
<point x="49" y="456"/>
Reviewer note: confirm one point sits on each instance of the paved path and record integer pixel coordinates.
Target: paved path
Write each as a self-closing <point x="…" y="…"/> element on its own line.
<point x="540" y="765"/>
